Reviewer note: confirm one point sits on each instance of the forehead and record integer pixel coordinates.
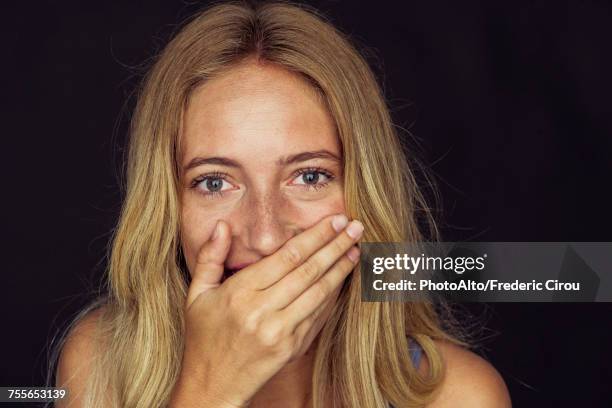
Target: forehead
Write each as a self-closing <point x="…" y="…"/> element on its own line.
<point x="256" y="109"/>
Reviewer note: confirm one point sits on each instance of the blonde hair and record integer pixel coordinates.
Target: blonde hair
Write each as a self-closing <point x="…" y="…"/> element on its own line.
<point x="362" y="357"/>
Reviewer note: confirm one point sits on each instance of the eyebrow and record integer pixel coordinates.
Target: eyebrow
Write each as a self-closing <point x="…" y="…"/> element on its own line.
<point x="283" y="161"/>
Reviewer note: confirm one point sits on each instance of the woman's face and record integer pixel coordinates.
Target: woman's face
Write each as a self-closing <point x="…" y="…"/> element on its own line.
<point x="259" y="151"/>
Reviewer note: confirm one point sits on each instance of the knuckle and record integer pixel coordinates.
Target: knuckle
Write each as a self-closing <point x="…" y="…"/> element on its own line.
<point x="321" y="291"/>
<point x="270" y="335"/>
<point x="292" y="255"/>
<point x="338" y="246"/>
<point x="251" y="322"/>
<point x="286" y="349"/>
<point x="310" y="270"/>
<point x="202" y="258"/>
<point x="204" y="255"/>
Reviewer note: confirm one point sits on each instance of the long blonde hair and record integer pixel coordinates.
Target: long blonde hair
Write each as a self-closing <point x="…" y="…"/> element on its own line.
<point x="362" y="356"/>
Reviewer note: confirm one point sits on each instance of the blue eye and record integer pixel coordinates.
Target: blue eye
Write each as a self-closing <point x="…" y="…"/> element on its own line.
<point x="212" y="184"/>
<point x="313" y="178"/>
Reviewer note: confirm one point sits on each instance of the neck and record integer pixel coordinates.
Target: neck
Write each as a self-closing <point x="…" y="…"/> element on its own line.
<point x="291" y="387"/>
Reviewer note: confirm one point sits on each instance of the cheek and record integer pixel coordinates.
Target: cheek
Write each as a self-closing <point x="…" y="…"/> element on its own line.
<point x="307" y="214"/>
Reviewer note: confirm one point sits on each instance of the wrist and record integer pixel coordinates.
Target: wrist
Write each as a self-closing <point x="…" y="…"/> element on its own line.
<point x="191" y="392"/>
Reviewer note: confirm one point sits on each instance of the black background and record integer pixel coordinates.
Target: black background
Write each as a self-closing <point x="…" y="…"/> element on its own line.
<point x="510" y="103"/>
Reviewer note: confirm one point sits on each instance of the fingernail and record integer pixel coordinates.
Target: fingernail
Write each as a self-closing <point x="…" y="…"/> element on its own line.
<point x="215" y="234"/>
<point x="353" y="254"/>
<point x="355" y="229"/>
<point x="339" y="222"/>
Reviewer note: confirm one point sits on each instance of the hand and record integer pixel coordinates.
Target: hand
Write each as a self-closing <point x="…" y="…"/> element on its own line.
<point x="241" y="332"/>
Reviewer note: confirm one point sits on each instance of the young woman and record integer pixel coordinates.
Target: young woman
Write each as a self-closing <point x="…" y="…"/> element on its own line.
<point x="261" y="154"/>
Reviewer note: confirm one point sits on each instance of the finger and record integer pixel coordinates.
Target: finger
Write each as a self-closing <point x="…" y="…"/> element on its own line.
<point x="208" y="270"/>
<point x="293" y="253"/>
<point x="297" y="281"/>
<point x="318" y="293"/>
<point x="304" y="328"/>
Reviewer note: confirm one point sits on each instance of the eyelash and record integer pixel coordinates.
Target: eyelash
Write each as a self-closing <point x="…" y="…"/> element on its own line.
<point x="223" y="176"/>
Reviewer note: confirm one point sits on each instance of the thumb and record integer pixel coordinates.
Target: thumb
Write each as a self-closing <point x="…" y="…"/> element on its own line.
<point x="209" y="266"/>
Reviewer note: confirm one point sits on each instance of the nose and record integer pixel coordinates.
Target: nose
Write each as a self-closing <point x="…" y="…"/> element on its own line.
<point x="267" y="223"/>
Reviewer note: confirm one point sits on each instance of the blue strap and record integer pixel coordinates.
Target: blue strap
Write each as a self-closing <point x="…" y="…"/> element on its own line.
<point x="415" y="353"/>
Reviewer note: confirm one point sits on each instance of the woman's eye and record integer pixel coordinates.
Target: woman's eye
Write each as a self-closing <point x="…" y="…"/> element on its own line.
<point x="211" y="185"/>
<point x="214" y="184"/>
<point x="312" y="178"/>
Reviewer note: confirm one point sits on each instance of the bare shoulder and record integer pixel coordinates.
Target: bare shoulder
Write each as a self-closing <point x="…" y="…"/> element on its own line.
<point x="470" y="381"/>
<point x="75" y="361"/>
